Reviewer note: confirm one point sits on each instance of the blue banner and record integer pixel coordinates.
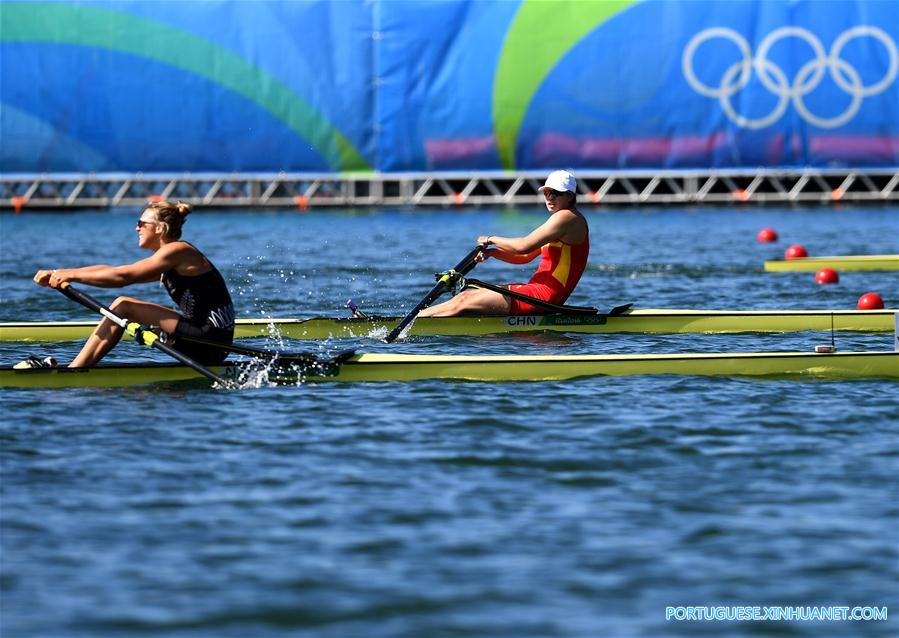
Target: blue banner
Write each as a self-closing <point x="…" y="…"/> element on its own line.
<point x="469" y="85"/>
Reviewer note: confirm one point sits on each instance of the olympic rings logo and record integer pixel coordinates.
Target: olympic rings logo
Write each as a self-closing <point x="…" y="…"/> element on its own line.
<point x="773" y="78"/>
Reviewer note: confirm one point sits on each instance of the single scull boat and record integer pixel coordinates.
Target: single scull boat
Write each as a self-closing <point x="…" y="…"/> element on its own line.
<point x="633" y="321"/>
<point x="413" y="367"/>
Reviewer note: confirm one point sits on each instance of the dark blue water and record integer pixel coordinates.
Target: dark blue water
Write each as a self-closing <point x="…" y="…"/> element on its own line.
<point x="581" y="508"/>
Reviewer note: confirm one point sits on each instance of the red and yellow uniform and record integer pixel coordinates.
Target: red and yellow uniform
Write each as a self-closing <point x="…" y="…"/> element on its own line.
<point x="560" y="269"/>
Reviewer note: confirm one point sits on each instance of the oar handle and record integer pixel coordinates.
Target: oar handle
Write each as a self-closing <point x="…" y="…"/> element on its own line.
<point x="139" y="332"/>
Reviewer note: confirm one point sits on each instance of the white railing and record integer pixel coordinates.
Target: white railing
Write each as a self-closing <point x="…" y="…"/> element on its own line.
<point x="304" y="190"/>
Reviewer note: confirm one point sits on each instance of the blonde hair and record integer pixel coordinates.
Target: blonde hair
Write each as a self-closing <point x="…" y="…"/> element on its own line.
<point x="171" y="216"/>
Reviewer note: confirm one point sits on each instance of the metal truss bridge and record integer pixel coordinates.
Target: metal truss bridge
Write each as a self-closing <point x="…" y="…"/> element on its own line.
<point x="306" y="190"/>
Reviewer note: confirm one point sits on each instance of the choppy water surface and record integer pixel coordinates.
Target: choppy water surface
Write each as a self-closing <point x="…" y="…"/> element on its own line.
<point x="581" y="508"/>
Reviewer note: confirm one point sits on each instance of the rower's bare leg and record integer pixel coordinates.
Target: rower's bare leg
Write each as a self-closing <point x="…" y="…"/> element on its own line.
<point x="107" y="334"/>
<point x="475" y="301"/>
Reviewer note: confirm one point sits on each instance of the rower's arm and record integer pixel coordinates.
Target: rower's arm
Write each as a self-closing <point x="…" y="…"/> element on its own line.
<point x="510" y="258"/>
<point x="520" y="250"/>
<point x="104" y="276"/>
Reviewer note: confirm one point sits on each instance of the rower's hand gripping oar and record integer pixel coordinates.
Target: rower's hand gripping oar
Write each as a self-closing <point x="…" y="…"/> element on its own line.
<point x="140" y="333"/>
<point x="446" y="281"/>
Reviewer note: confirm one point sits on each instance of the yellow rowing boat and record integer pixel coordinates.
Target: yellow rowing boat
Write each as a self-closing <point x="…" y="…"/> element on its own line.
<point x="838" y="263"/>
<point x="632" y="321"/>
<point x="415" y="367"/>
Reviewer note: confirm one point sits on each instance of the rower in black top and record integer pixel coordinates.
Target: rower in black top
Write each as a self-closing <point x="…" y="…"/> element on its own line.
<point x="207" y="313"/>
<point x="191" y="279"/>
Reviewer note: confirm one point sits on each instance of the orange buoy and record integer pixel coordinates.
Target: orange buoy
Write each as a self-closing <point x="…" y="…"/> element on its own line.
<point x="153" y="199"/>
<point x="18" y="203"/>
<point x="827" y="276"/>
<point x="301" y="201"/>
<point x="796" y="251"/>
<point x="870" y="301"/>
<point x="767" y="235"/>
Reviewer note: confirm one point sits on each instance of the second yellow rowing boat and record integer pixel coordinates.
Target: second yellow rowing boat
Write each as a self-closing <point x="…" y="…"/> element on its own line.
<point x="838" y="263"/>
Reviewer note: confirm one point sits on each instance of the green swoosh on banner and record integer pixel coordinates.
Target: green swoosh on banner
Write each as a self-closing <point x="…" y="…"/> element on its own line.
<point x="540" y="35"/>
<point x="59" y="23"/>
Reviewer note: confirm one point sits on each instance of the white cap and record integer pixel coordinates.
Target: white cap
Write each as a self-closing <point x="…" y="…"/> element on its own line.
<point x="560" y="181"/>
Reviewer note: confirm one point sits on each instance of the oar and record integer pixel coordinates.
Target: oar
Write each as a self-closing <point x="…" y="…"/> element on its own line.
<point x="444" y="283"/>
<point x="140" y="333"/>
<point x="258" y="353"/>
<point x="552" y="307"/>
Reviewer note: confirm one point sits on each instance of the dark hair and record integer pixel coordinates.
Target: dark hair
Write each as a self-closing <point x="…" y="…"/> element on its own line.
<point x="171" y="216"/>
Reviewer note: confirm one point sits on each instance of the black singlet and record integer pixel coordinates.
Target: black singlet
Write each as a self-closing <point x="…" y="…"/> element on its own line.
<point x="207" y="312"/>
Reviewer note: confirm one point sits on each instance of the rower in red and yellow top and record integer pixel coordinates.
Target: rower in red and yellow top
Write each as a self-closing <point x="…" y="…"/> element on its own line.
<point x="563" y="243"/>
<point x="205" y="311"/>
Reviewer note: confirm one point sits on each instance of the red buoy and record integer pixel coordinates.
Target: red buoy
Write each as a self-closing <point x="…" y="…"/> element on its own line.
<point x="827" y="276"/>
<point x="767" y="235"/>
<point x="870" y="301"/>
<point x="796" y="251"/>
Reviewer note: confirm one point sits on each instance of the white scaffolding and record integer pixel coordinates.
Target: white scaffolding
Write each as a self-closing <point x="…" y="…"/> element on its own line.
<point x="305" y="190"/>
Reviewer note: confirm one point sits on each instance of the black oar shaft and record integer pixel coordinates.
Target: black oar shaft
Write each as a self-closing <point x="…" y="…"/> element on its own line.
<point x="271" y="355"/>
<point x="443" y="284"/>
<point x="146" y="337"/>
<point x="436" y="291"/>
<point x="552" y="307"/>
